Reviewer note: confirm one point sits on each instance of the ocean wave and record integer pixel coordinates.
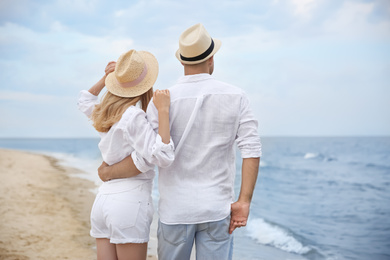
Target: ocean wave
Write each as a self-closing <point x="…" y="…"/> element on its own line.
<point x="88" y="167"/>
<point x="318" y="156"/>
<point x="263" y="164"/>
<point x="312" y="155"/>
<point x="272" y="235"/>
<point x="377" y="166"/>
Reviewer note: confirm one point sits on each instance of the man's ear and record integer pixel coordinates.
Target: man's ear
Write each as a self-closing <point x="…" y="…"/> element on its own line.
<point x="211" y="60"/>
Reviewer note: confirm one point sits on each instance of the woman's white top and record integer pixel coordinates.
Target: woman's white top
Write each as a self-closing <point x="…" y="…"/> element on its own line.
<point x="131" y="135"/>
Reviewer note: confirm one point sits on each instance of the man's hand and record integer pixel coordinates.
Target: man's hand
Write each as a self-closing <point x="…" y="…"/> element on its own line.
<point x="239" y="215"/>
<point x="103" y="171"/>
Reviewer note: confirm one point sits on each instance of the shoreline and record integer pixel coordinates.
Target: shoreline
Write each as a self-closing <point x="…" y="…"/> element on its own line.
<point x="45" y="209"/>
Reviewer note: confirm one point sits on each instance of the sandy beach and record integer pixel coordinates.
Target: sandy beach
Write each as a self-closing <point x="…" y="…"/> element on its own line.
<point x="44" y="210"/>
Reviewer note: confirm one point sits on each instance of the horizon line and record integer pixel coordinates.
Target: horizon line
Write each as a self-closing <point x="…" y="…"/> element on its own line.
<point x="261" y="136"/>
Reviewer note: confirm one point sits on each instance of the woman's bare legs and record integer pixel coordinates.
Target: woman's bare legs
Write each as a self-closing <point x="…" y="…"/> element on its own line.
<point x="105" y="250"/>
<point x="132" y="251"/>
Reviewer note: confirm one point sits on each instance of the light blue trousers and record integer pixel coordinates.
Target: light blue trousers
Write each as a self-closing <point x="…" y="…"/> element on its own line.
<point x="212" y="241"/>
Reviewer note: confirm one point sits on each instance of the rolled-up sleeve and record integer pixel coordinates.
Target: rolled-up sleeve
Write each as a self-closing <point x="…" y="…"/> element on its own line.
<point x="248" y="139"/>
<point x="86" y="102"/>
<point x="147" y="144"/>
<point x="140" y="163"/>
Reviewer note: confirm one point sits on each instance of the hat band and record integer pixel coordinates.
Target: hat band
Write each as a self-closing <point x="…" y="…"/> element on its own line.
<point x="202" y="56"/>
<point x="138" y="80"/>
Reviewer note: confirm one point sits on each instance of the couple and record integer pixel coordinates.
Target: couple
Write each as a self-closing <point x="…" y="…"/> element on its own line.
<point x="189" y="132"/>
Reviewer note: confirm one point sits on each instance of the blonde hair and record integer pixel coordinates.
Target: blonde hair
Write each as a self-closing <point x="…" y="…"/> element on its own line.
<point x="111" y="109"/>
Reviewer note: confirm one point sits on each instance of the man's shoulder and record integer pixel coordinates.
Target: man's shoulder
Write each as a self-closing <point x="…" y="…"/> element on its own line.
<point x="208" y="87"/>
<point x="228" y="85"/>
<point x="221" y="87"/>
<point x="211" y="83"/>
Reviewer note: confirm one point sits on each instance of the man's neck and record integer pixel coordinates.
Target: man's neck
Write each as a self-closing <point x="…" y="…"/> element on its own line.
<point x="189" y="74"/>
<point x="193" y="70"/>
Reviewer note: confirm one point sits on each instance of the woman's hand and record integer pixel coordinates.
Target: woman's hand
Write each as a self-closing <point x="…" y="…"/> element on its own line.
<point x="110" y="67"/>
<point x="162" y="100"/>
<point x="97" y="88"/>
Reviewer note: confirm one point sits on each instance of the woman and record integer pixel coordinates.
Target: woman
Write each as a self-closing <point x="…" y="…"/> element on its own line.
<point x="123" y="210"/>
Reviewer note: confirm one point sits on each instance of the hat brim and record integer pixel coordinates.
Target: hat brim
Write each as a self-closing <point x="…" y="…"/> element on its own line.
<point x="147" y="83"/>
<point x="217" y="45"/>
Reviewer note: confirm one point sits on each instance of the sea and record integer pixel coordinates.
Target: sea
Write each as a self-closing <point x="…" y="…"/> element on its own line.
<point x="322" y="198"/>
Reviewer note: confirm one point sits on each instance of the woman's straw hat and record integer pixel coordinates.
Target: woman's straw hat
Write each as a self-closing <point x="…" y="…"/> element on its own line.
<point x="135" y="73"/>
<point x="196" y="45"/>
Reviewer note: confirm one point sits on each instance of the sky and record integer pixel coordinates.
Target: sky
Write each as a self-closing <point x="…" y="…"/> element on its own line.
<point x="309" y="67"/>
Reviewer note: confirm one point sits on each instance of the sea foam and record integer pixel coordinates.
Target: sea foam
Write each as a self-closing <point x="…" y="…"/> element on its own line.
<point x="311" y="155"/>
<point x="319" y="157"/>
<point x="272" y="235"/>
<point x="88" y="167"/>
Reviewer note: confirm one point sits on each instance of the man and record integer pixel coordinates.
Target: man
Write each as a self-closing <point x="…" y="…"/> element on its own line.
<point x="196" y="192"/>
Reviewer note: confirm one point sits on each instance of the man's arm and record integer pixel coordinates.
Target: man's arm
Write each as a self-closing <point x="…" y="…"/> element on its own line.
<point x="248" y="141"/>
<point x="123" y="169"/>
<point x="240" y="208"/>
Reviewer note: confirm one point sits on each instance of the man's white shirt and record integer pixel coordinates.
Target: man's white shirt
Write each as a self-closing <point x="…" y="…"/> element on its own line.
<point x="207" y="119"/>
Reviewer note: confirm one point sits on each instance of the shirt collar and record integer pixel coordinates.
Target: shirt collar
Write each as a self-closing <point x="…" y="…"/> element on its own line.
<point x="194" y="78"/>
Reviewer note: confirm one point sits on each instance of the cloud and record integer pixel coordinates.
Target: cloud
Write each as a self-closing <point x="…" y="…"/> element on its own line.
<point x="352" y="21"/>
<point x="26" y="114"/>
<point x="303" y="7"/>
<point x="82" y="6"/>
<point x="27" y="96"/>
<point x="316" y="80"/>
<point x="293" y="58"/>
<point x="42" y="60"/>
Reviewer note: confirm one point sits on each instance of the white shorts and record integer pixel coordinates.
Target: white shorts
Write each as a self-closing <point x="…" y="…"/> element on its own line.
<point x="123" y="217"/>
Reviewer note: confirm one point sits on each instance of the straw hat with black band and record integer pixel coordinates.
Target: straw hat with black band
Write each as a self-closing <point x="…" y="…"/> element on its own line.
<point x="135" y="73"/>
<point x="196" y="45"/>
